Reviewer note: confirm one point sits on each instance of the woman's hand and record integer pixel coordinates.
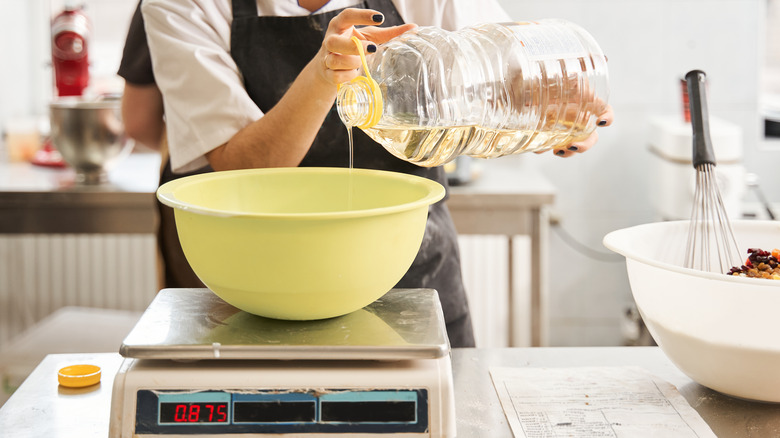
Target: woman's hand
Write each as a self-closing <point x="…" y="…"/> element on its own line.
<point x="283" y="136"/>
<point x="338" y="58"/>
<point x="605" y="119"/>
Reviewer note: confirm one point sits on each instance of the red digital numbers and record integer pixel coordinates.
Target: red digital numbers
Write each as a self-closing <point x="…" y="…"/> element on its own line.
<point x="200" y="413"/>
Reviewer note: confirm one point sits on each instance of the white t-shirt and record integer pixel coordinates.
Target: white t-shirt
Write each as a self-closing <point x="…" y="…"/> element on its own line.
<point x="204" y="97"/>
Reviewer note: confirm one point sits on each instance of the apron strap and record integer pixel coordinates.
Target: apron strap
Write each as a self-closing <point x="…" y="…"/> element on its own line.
<point x="244" y="8"/>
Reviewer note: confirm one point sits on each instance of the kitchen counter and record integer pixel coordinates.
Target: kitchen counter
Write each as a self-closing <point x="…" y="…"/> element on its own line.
<point x="42" y="408"/>
<point x="42" y="200"/>
<point x="480" y="414"/>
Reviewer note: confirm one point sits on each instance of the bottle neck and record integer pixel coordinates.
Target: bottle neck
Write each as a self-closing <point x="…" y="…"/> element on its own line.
<point x="357" y="104"/>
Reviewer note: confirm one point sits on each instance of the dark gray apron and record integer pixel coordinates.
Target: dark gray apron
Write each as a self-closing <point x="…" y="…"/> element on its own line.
<point x="270" y="51"/>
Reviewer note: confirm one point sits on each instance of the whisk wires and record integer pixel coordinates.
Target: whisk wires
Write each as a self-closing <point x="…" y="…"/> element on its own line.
<point x="710" y="235"/>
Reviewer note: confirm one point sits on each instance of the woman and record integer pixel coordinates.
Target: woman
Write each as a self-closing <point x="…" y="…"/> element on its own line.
<point x="252" y="83"/>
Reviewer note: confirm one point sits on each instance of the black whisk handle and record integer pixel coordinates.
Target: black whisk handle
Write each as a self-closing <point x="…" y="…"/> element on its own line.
<point x="700" y="120"/>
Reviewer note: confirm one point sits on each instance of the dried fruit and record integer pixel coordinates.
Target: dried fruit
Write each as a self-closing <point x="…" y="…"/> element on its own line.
<point x="759" y="264"/>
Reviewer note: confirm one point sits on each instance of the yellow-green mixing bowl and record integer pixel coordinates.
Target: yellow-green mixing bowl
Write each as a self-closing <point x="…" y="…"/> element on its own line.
<point x="300" y="243"/>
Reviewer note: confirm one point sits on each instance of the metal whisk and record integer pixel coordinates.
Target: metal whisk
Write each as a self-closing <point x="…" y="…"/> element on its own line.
<point x="709" y="234"/>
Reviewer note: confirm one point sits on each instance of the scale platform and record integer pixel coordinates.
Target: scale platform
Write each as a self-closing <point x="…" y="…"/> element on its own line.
<point x="197" y="366"/>
<point x="194" y="324"/>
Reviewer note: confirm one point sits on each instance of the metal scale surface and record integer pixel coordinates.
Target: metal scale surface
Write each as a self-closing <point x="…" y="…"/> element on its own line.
<point x="197" y="366"/>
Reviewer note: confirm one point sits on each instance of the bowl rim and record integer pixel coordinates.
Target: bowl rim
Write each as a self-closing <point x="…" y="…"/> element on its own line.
<point x="610" y="238"/>
<point x="435" y="193"/>
<point x="79" y="103"/>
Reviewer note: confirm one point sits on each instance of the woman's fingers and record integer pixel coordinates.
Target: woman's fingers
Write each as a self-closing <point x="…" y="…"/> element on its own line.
<point x="605" y="119"/>
<point x="381" y="35"/>
<point x="343" y="44"/>
<point x="339" y="54"/>
<point x="354" y="17"/>
<point x="370" y="37"/>
<point x="336" y="58"/>
<point x="337" y="61"/>
<point x="341" y="29"/>
<point x="578" y="147"/>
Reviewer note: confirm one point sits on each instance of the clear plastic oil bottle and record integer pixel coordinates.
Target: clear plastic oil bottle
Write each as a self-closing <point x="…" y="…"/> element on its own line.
<point x="484" y="91"/>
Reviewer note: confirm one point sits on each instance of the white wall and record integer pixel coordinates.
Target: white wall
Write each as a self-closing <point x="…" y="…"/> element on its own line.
<point x="771" y="80"/>
<point x="24" y="73"/>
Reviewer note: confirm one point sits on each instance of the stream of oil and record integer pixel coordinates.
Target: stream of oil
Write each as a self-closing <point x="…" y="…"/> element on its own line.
<point x="351" y="165"/>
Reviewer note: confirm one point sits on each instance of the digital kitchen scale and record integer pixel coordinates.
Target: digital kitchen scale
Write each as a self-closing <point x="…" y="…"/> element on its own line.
<point x="197" y="366"/>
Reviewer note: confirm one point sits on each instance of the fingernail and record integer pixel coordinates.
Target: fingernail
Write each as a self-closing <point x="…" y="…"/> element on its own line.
<point x="560" y="152"/>
<point x="573" y="148"/>
<point x="378" y="18"/>
<point x="602" y="122"/>
<point x="371" y="48"/>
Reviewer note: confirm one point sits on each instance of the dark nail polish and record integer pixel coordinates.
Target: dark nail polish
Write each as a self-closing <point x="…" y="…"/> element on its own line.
<point x="371" y="48"/>
<point x="573" y="148"/>
<point x="378" y="18"/>
<point x="602" y="122"/>
<point x="560" y="152"/>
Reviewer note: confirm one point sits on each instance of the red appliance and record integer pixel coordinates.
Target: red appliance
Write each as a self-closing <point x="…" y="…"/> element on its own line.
<point x="70" y="31"/>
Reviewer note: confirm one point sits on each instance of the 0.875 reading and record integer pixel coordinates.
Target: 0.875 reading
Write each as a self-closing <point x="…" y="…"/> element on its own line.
<point x="179" y="413"/>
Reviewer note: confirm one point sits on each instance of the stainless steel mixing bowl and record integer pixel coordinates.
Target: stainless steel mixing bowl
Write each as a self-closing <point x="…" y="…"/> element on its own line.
<point x="90" y="136"/>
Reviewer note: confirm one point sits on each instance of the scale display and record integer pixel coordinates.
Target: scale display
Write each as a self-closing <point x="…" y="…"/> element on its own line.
<point x="275" y="411"/>
<point x="193" y="408"/>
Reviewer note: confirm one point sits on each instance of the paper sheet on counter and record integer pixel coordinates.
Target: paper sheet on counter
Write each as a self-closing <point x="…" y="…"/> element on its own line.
<point x="594" y="402"/>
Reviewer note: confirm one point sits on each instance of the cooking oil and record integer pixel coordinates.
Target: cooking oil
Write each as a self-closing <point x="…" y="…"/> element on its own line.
<point x="434" y="146"/>
<point x="351" y="166"/>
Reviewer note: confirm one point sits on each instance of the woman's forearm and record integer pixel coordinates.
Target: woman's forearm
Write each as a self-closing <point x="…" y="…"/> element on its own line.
<point x="142" y="114"/>
<point x="284" y="134"/>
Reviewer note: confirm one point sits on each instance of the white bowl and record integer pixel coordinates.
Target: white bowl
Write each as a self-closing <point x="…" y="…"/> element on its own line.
<point x="722" y="331"/>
